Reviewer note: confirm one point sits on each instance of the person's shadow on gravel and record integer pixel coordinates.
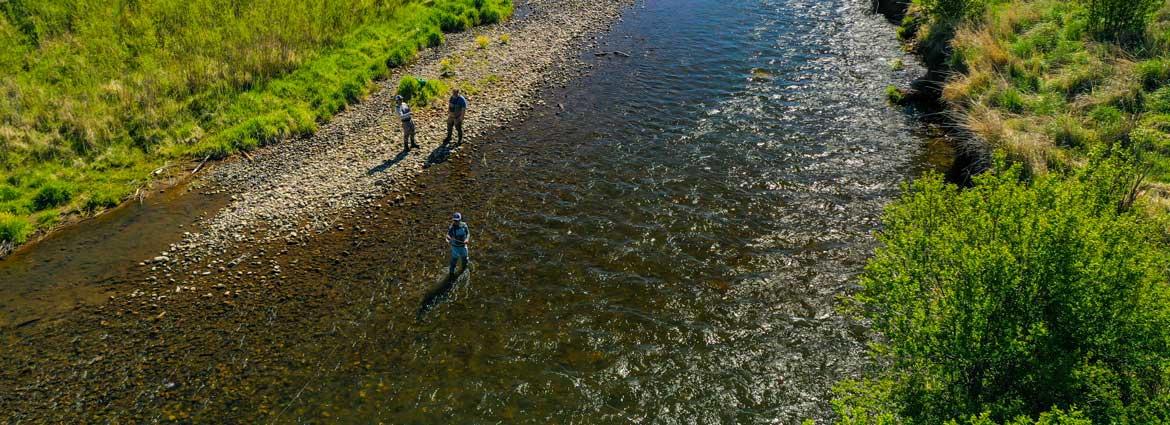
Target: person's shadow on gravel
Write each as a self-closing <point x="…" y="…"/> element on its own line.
<point x="389" y="163"/>
<point x="440" y="155"/>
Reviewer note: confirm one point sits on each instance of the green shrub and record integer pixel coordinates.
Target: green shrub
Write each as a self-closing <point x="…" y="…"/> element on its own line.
<point x="100" y="200"/>
<point x="895" y="95"/>
<point x="46" y="219"/>
<point x="446" y="68"/>
<point x="9" y="193"/>
<point x="434" y="37"/>
<point x="1158" y="101"/>
<point x="419" y="92"/>
<point x="1109" y="122"/>
<point x="400" y="55"/>
<point x="1154" y="73"/>
<point x="951" y="10"/>
<point x="51" y="195"/>
<point x="13" y="229"/>
<point x="1120" y="20"/>
<point x="449" y="22"/>
<point x="1009" y="298"/>
<point x="482" y="42"/>
<point x="1069" y="132"/>
<point x="1010" y="100"/>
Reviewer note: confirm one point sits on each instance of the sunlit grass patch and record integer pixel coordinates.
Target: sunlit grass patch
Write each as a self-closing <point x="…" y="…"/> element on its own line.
<point x="91" y="108"/>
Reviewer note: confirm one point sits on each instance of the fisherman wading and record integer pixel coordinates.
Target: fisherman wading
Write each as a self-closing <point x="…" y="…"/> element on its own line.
<point x="458" y="235"/>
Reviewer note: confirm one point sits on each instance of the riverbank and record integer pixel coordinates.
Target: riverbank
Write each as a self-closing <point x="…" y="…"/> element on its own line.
<point x="298" y="189"/>
<point x="1038" y="294"/>
<point x="100" y="114"/>
<point x="168" y="344"/>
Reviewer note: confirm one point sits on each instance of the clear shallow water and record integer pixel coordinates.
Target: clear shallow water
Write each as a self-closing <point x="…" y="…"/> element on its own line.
<point x="667" y="249"/>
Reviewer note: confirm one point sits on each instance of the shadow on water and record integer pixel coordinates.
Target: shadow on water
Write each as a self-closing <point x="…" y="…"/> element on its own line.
<point x="443" y="291"/>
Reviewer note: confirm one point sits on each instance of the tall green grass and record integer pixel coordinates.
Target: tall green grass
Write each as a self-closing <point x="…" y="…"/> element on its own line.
<point x="96" y="94"/>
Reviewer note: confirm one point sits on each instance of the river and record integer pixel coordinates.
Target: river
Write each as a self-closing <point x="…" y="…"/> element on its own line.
<point x="665" y="242"/>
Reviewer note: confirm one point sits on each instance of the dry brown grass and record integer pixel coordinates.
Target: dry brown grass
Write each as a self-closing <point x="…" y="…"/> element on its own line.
<point x="963" y="88"/>
<point x="1155" y="198"/>
<point x="1019" y="138"/>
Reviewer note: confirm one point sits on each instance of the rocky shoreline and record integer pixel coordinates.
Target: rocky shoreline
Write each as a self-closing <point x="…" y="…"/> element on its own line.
<point x="195" y="323"/>
<point x="302" y="188"/>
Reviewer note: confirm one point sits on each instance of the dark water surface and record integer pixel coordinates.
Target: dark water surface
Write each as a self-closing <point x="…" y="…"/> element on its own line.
<point x="667" y="249"/>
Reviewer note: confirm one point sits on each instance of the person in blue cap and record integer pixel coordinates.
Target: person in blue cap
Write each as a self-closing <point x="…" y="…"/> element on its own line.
<point x="458" y="235"/>
<point x="408" y="139"/>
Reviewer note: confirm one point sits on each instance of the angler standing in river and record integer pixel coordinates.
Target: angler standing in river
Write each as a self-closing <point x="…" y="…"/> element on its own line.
<point x="455" y="111"/>
<point x="458" y="235"/>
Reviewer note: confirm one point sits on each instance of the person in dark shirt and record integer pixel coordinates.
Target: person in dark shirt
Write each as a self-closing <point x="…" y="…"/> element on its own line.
<point x="455" y="111"/>
<point x="458" y="235"/>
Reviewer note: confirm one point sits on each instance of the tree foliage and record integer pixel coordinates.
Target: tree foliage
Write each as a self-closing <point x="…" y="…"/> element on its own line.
<point x="1009" y="299"/>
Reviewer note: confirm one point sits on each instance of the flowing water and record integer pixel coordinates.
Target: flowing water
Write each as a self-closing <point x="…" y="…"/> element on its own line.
<point x="665" y="241"/>
<point x="669" y="248"/>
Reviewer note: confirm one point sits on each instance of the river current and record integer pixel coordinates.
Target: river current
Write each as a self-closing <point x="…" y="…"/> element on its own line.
<point x="664" y="240"/>
<point x="667" y="244"/>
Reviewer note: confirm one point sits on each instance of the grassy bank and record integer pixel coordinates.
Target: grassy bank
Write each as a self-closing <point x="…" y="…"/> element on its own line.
<point x="98" y="94"/>
<point x="1039" y="294"/>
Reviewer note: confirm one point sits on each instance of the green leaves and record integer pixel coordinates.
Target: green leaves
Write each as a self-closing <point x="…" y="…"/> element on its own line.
<point x="1012" y="297"/>
<point x="1120" y="20"/>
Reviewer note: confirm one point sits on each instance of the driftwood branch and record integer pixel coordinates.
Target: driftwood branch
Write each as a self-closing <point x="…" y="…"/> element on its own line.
<point x="200" y="167"/>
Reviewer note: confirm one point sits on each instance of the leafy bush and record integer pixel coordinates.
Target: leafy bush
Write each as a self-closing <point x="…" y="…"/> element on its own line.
<point x="951" y="10"/>
<point x="1120" y="20"/>
<point x="1154" y="73"/>
<point x="1010" y="100"/>
<point x="13" y="229"/>
<point x="482" y="41"/>
<point x="1158" y="101"/>
<point x="895" y="95"/>
<point x="1009" y="298"/>
<point x="100" y="200"/>
<point x="505" y="38"/>
<point x="434" y="37"/>
<point x="446" y="67"/>
<point x="51" y="195"/>
<point x="419" y="92"/>
<point x="8" y="193"/>
<point x="450" y="22"/>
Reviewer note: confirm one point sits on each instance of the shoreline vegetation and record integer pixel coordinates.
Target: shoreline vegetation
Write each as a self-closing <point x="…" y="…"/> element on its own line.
<point x="97" y="97"/>
<point x="1039" y="292"/>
